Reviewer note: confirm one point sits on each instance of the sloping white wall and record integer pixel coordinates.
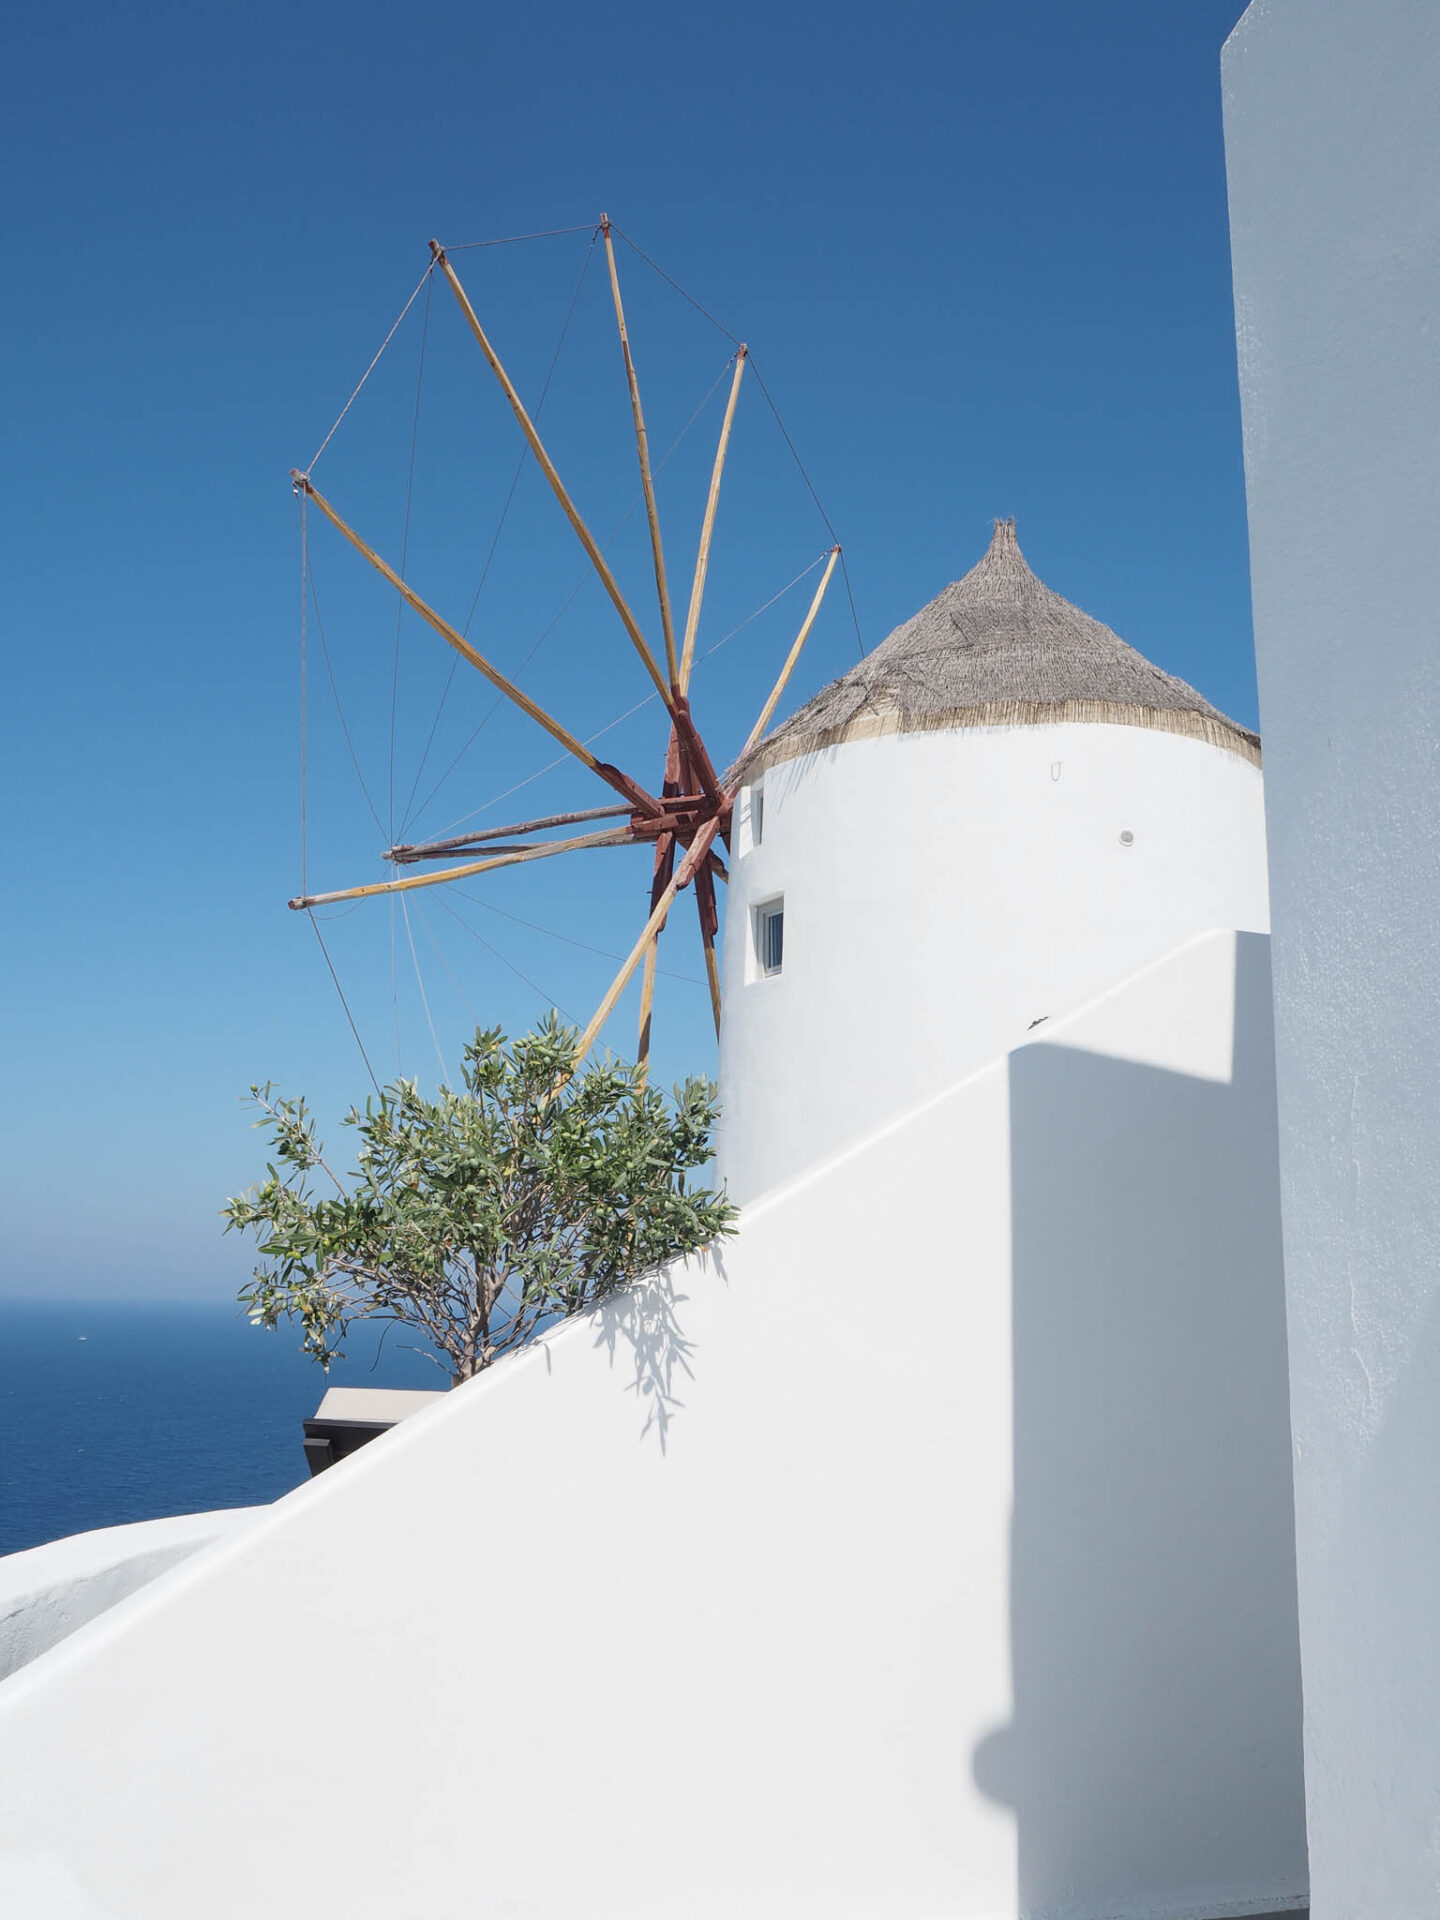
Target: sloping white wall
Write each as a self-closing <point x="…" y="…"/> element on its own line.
<point x="946" y="894"/>
<point x="928" y="1555"/>
<point x="47" y="1592"/>
<point x="1332" y="128"/>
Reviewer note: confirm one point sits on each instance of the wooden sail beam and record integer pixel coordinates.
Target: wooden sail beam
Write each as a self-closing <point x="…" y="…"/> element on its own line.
<point x="678" y="775"/>
<point x="699" y="759"/>
<point x="464" y="841"/>
<point x="707" y="527"/>
<point x="612" y="776"/>
<point x="682" y="877"/>
<point x="709" y="914"/>
<point x="557" y="485"/>
<point x="789" y="667"/>
<point x="647" y="478"/>
<point x="622" y="839"/>
<point x="681" y="810"/>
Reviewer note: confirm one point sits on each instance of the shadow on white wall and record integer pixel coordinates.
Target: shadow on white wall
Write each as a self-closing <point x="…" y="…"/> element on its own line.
<point x="1154" y="1655"/>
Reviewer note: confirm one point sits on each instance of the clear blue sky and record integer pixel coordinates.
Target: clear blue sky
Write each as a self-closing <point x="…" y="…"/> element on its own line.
<point x="980" y="254"/>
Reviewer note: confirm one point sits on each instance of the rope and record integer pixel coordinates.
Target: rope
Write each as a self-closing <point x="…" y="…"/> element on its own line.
<point x="850" y="596"/>
<point x="460" y="992"/>
<point x="344" y="1002"/>
<point x="690" y="979"/>
<point x="405" y="550"/>
<point x="490" y="559"/>
<point x="395" y="987"/>
<point x="539" y="409"/>
<point x="548" y="998"/>
<point x="655" y="266"/>
<point x="513" y="239"/>
<point x="424" y="997"/>
<point x="339" y="708"/>
<point x="560" y="759"/>
<point x="810" y="484"/>
<point x="817" y="561"/>
<point x="304" y="736"/>
<point x="371" y="368"/>
<point x="550" y="765"/>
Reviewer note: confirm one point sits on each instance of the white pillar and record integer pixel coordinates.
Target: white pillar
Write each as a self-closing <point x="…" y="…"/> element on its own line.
<point x="1332" y="122"/>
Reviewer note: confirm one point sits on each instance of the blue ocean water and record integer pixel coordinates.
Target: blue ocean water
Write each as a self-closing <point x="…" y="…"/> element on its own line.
<point x="111" y="1412"/>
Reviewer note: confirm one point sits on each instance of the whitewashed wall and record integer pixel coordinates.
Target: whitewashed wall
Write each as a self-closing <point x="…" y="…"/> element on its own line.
<point x="1332" y="124"/>
<point x="929" y="1557"/>
<point x="946" y="891"/>
<point x="47" y="1592"/>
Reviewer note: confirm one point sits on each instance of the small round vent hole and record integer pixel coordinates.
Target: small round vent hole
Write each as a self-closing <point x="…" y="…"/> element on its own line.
<point x="1127" y="838"/>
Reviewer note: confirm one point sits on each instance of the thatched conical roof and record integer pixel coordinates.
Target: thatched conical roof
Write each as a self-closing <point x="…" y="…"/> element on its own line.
<point x="998" y="648"/>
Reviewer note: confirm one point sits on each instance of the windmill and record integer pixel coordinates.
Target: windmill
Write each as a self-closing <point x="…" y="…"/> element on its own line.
<point x="692" y="807"/>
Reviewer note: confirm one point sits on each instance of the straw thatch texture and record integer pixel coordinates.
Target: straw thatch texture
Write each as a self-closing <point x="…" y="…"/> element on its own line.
<point x="998" y="648"/>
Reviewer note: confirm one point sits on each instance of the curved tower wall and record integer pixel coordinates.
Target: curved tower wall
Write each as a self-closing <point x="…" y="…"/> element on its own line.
<point x="948" y="894"/>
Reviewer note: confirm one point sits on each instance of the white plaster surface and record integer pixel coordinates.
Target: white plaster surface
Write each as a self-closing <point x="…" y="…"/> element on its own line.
<point x="1332" y="126"/>
<point x="945" y="891"/>
<point x="925" y="1557"/>
<point x="47" y="1592"/>
<point x="375" y="1403"/>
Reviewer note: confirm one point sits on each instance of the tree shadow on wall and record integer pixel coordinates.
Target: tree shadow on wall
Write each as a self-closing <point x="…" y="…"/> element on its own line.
<point x="645" y="1319"/>
<point x="1154" y="1751"/>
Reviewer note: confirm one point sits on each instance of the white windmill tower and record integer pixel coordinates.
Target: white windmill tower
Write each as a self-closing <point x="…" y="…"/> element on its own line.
<point x="1003" y="812"/>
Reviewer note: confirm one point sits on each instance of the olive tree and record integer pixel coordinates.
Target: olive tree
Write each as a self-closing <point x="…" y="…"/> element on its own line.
<point x="481" y="1215"/>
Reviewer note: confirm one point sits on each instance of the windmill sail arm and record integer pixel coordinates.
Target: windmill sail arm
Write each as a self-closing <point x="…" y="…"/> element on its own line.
<point x="770" y="705"/>
<point x="642" y="447"/>
<point x="612" y="776"/>
<point x="681" y="877"/>
<point x="411" y="882"/>
<point x="707" y="527"/>
<point x="557" y="485"/>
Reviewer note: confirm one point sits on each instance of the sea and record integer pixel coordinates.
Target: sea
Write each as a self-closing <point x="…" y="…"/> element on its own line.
<point x="113" y="1411"/>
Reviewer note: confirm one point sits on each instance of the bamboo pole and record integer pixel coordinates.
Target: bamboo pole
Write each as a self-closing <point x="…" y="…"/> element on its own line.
<point x="680" y="878"/>
<point x="611" y="775"/>
<point x="707" y="527"/>
<point x="664" y="867"/>
<point x="789" y="667"/>
<point x="642" y="445"/>
<point x="647" y="1001"/>
<point x="462" y="873"/>
<point x="557" y="485"/>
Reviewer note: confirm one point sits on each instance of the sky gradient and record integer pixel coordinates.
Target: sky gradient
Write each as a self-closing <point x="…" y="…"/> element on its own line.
<point x="981" y="257"/>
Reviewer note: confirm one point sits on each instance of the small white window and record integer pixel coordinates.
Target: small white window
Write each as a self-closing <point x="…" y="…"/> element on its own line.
<point x="770" y="937"/>
<point x="750" y="817"/>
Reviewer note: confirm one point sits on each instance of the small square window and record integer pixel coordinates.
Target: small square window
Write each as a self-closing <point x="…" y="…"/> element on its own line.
<point x="770" y="937"/>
